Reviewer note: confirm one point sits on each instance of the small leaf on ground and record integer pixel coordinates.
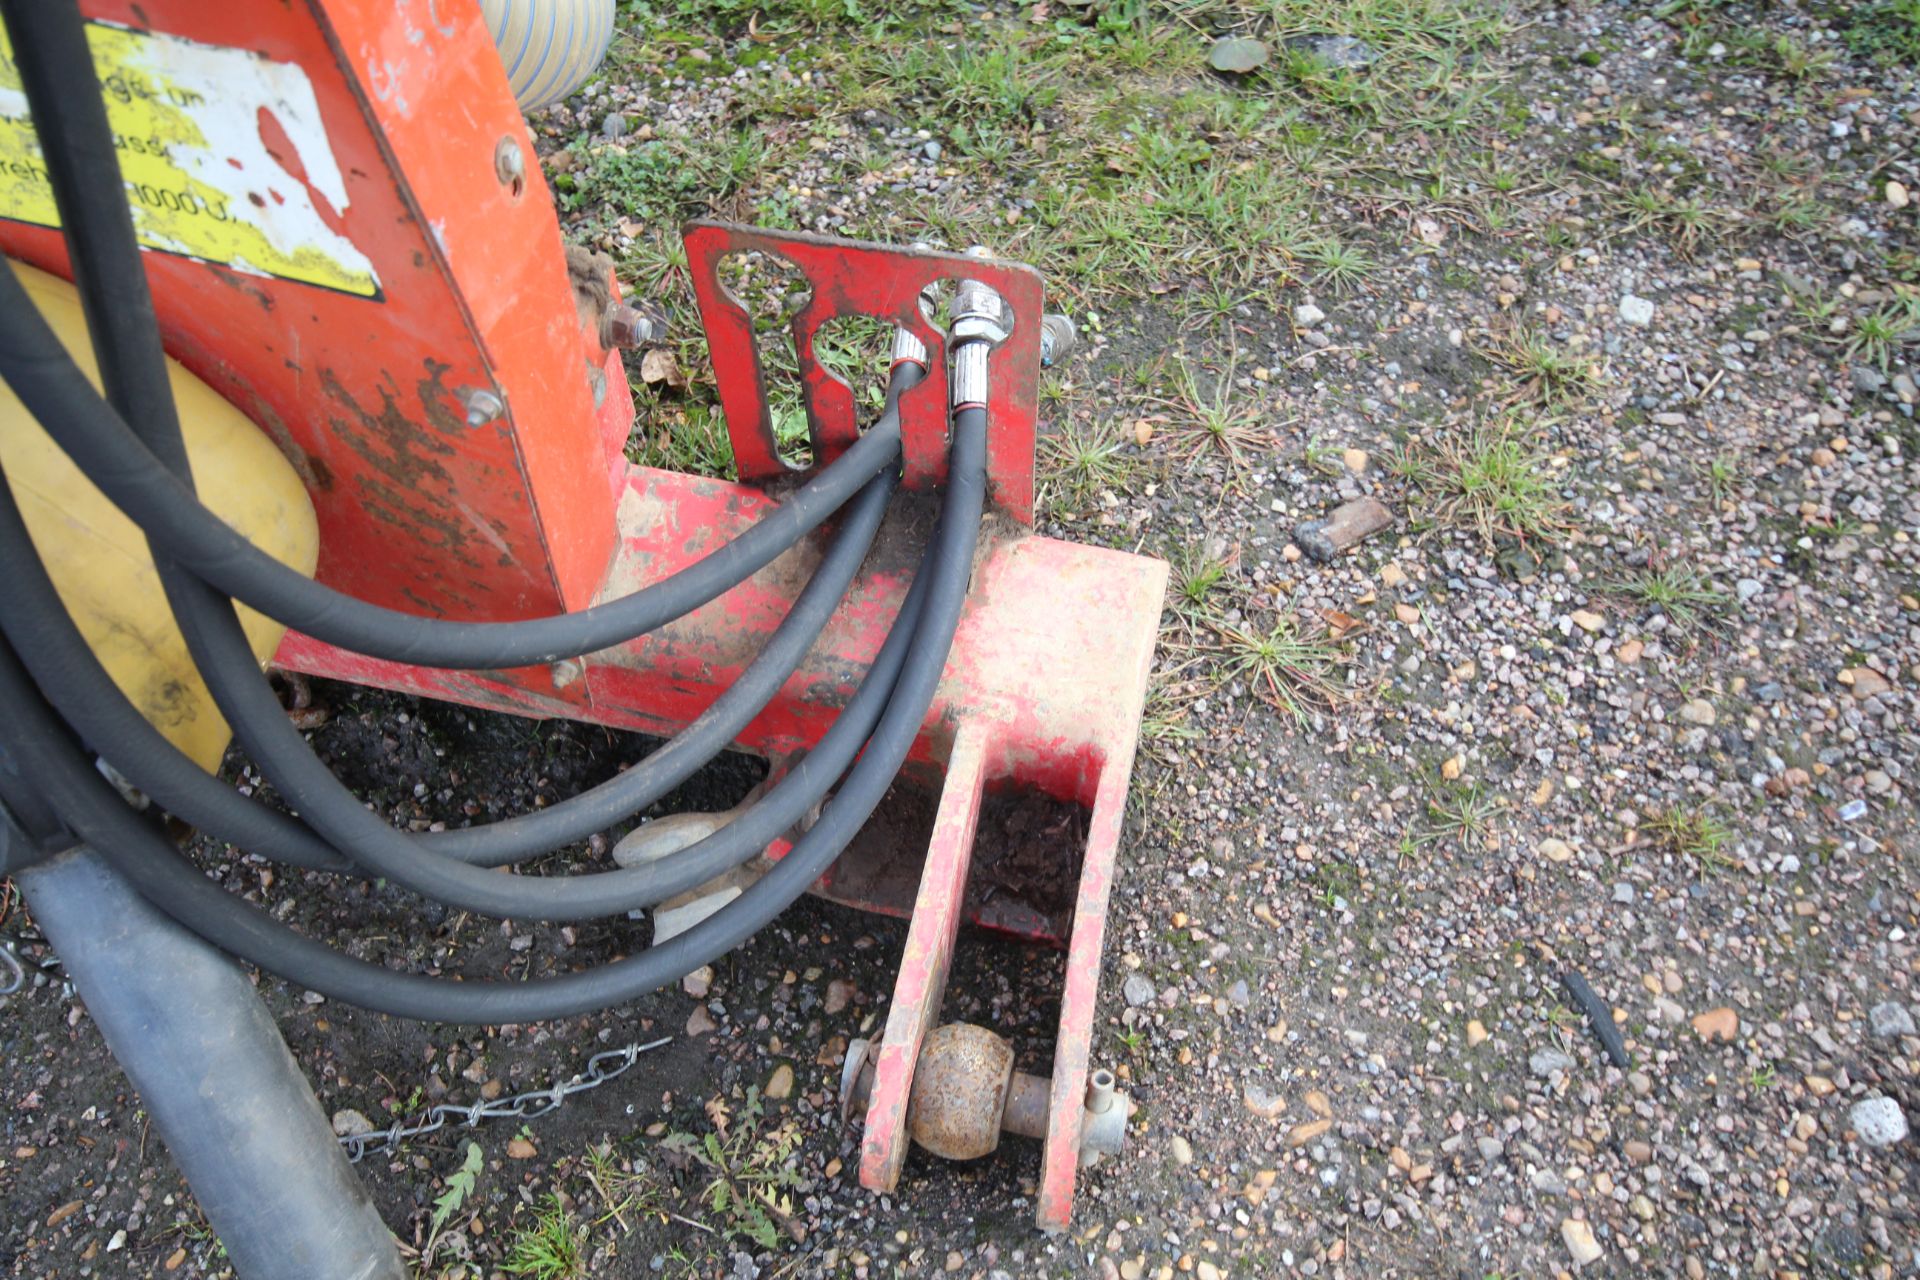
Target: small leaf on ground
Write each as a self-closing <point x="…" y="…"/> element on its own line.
<point x="1238" y="54"/>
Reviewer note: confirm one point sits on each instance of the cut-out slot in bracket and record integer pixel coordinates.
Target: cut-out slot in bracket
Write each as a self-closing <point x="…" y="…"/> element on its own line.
<point x="854" y="278"/>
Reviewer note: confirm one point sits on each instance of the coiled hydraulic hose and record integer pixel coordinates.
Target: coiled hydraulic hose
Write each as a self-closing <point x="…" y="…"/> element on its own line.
<point x="113" y="289"/>
<point x="165" y="877"/>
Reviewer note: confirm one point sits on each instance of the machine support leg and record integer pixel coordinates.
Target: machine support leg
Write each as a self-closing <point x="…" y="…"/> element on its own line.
<point x="923" y="966"/>
<point x="233" y="1107"/>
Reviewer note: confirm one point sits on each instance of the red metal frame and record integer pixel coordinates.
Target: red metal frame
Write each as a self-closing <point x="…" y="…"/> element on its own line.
<point x="538" y="511"/>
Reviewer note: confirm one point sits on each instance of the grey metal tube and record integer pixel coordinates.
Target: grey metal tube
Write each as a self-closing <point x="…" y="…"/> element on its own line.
<point x="237" y="1114"/>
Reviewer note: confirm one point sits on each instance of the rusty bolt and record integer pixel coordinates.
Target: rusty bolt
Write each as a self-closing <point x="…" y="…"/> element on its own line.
<point x="965" y="1094"/>
<point x="636" y="325"/>
<point x="510" y="164"/>
<point x="566" y="671"/>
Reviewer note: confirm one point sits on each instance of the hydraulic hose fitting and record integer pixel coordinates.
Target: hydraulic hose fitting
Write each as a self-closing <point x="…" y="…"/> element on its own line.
<point x="907" y="349"/>
<point x="981" y="321"/>
<point x="1058" y="339"/>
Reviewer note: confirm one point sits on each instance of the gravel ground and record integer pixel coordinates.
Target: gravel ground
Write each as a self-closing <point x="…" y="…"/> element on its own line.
<point x="1615" y="309"/>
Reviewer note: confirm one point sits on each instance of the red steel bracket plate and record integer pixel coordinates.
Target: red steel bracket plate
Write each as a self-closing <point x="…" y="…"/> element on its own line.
<point x="855" y="278"/>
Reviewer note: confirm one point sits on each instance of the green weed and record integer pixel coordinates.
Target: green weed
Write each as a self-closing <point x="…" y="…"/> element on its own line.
<point x="1495" y="482"/>
<point x="1284" y="665"/>
<point x="1464" y="814"/>
<point x="1677" y="589"/>
<point x="1545" y="371"/>
<point x="1876" y="336"/>
<point x="1081" y="460"/>
<point x="1211" y="422"/>
<point x="1888" y="31"/>
<point x="460" y="1185"/>
<point x="552" y="1247"/>
<point x="1195" y="578"/>
<point x="1722" y="476"/>
<point x="751" y="1171"/>
<point x="694" y="441"/>
<point x="1696" y="834"/>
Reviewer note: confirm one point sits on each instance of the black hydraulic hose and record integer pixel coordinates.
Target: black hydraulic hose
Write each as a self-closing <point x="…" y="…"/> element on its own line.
<point x="99" y="441"/>
<point x="516" y="839"/>
<point x="36" y="624"/>
<point x="172" y="883"/>
<point x="81" y="690"/>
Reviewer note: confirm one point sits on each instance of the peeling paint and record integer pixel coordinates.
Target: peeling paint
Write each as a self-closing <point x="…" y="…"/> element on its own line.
<point x="204" y="178"/>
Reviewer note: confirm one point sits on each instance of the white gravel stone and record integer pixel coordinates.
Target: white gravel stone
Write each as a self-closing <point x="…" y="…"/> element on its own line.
<point x="1636" y="310"/>
<point x="1878" y="1120"/>
<point x="1890" y="1018"/>
<point x="1545" y="1062"/>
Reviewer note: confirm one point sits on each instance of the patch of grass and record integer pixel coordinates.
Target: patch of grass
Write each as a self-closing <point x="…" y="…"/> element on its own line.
<point x="751" y="1171"/>
<point x="1465" y="814"/>
<point x="1874" y="337"/>
<point x="1698" y="835"/>
<point x="1683" y="220"/>
<point x="1083" y="459"/>
<point x="1285" y="665"/>
<point x="1432" y="59"/>
<point x="622" y="1190"/>
<point x="1888" y="31"/>
<point x="1793" y="211"/>
<point x="1196" y="576"/>
<point x="695" y="441"/>
<point x="1493" y="481"/>
<point x="1164" y="724"/>
<point x="1211" y="422"/>
<point x="1722" y="476"/>
<point x="1545" y="371"/>
<point x="1677" y="589"/>
<point x="552" y="1247"/>
<point x="1335" y="264"/>
<point x="1324" y="458"/>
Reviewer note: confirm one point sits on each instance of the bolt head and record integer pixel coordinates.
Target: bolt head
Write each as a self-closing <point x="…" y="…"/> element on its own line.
<point x="636" y="325"/>
<point x="483" y="406"/>
<point x="979" y="314"/>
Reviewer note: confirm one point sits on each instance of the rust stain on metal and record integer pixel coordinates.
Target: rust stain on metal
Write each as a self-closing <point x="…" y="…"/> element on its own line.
<point x="960" y="1090"/>
<point x="313" y="472"/>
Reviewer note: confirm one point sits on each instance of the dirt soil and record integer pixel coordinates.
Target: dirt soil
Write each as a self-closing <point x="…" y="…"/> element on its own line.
<point x="1616" y="306"/>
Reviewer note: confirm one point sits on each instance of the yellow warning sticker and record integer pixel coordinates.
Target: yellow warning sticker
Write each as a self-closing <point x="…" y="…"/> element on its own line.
<point x="223" y="151"/>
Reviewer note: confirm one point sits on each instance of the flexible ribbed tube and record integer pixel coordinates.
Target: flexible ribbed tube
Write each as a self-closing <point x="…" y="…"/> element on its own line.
<point x="549" y="47"/>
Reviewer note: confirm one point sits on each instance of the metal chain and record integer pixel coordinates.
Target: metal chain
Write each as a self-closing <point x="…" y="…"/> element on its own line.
<point x="12" y="962"/>
<point x="601" y="1068"/>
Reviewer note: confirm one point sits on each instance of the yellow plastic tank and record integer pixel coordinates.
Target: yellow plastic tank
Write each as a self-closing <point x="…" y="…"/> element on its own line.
<point x="99" y="560"/>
